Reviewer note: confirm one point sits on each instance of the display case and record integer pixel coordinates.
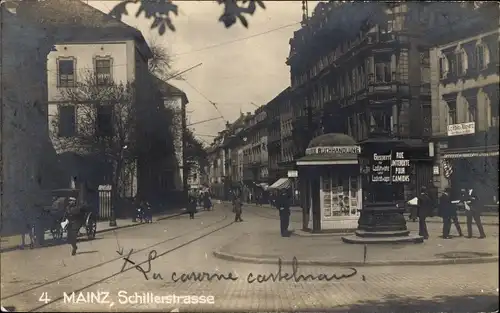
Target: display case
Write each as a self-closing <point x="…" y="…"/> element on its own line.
<point x="340" y="195"/>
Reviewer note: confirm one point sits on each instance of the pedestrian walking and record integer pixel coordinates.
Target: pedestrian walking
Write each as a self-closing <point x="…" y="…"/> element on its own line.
<point x="283" y="205"/>
<point x="448" y="211"/>
<point x="192" y="203"/>
<point x="76" y="218"/>
<point x="237" y="207"/>
<point x="207" y="203"/>
<point x="424" y="209"/>
<point x="472" y="212"/>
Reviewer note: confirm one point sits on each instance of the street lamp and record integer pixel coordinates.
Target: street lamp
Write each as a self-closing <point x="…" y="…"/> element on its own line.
<point x="112" y="219"/>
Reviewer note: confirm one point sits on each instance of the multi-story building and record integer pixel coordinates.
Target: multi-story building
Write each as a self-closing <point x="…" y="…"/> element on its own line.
<point x="371" y="81"/>
<point x="465" y="126"/>
<point x="91" y="52"/>
<point x="255" y="154"/>
<point x="279" y="124"/>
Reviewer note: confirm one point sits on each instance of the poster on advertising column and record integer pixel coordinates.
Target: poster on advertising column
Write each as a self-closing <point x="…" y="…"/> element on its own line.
<point x="381" y="168"/>
<point x="400" y="168"/>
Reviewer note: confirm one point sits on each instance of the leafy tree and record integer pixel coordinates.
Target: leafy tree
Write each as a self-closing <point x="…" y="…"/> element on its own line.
<point x="195" y="153"/>
<point x="106" y="121"/>
<point x="160" y="63"/>
<point x="161" y="11"/>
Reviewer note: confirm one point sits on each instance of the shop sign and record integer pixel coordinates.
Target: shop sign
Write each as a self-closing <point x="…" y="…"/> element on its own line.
<point x="334" y="150"/>
<point x="293" y="174"/>
<point x="461" y="129"/>
<point x="400" y="168"/>
<point x="381" y="168"/>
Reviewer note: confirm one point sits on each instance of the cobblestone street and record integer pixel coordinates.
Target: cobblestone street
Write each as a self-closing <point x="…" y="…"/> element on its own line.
<point x="387" y="288"/>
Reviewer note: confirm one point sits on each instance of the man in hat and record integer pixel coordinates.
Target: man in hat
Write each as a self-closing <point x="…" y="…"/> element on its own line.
<point x="448" y="212"/>
<point x="424" y="210"/>
<point x="283" y="205"/>
<point x="472" y="212"/>
<point x="75" y="218"/>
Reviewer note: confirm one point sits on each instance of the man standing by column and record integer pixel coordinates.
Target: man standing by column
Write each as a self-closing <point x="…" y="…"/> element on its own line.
<point x="425" y="206"/>
<point x="283" y="205"/>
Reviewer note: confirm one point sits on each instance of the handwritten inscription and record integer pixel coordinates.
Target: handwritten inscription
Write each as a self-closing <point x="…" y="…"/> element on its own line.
<point x="279" y="275"/>
<point x="294" y="276"/>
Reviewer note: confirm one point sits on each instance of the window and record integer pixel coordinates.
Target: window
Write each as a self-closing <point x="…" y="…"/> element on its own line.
<point x="459" y="56"/>
<point x="452" y="112"/>
<point x="480" y="57"/>
<point x="383" y="73"/>
<point x="380" y="121"/>
<point x="66" y="73"/>
<point x="105" y="120"/>
<point x="103" y="71"/>
<point x="443" y="68"/>
<point x="67" y="121"/>
<point x="471" y="110"/>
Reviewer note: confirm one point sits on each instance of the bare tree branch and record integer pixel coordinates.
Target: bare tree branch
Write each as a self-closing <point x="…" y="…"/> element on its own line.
<point x="109" y="136"/>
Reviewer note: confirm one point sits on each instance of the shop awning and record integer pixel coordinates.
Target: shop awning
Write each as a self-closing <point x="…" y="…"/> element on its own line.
<point x="469" y="155"/>
<point x="282" y="183"/>
<point x="328" y="159"/>
<point x="263" y="186"/>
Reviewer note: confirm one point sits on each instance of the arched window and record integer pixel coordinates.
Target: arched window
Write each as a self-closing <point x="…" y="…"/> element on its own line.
<point x="461" y="62"/>
<point x="482" y="56"/>
<point x="443" y="67"/>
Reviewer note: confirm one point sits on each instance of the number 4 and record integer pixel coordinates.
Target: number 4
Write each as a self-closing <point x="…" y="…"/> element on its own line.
<point x="44" y="297"/>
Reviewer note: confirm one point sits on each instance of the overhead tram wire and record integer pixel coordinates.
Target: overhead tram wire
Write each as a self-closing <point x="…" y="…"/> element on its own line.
<point x="206" y="98"/>
<point x="224" y="43"/>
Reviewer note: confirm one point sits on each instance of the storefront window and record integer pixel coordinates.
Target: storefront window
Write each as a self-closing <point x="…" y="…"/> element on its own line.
<point x="339" y="195"/>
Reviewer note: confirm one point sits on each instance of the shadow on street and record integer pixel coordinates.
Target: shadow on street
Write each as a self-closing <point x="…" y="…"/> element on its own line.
<point x="450" y="304"/>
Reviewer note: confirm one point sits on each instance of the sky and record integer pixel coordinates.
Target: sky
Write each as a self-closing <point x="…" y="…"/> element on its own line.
<point x="232" y="75"/>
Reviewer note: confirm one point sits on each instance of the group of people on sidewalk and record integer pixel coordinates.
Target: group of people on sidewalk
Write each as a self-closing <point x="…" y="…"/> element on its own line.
<point x="447" y="210"/>
<point x="194" y="198"/>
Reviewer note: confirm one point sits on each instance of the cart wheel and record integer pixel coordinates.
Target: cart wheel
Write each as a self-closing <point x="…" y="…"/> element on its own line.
<point x="91" y="226"/>
<point x="57" y="233"/>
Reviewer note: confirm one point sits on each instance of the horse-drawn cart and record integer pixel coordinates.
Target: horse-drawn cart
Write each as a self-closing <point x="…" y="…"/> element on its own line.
<point x="61" y="201"/>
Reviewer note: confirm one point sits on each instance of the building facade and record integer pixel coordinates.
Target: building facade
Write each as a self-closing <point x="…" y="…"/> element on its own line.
<point x="465" y="114"/>
<point x="28" y="163"/>
<point x="371" y="81"/>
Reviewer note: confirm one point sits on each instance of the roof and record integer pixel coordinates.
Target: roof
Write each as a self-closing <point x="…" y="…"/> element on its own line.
<point x="74" y="20"/>
<point x="169" y="90"/>
<point x="332" y="140"/>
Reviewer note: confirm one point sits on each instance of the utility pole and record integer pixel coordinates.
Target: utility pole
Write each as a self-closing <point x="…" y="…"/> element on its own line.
<point x="309" y="134"/>
<point x="185" y="171"/>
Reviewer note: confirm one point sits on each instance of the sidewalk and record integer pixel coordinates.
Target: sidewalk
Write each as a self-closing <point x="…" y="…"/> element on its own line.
<point x="267" y="246"/>
<point x="487" y="218"/>
<point x="9" y="243"/>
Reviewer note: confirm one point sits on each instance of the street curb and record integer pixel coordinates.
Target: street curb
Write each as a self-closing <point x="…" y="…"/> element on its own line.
<point x="256" y="260"/>
<point x="137" y="224"/>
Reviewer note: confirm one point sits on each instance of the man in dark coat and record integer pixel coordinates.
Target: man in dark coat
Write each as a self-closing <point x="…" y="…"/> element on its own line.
<point x="76" y="216"/>
<point x="192" y="203"/>
<point x="472" y="211"/>
<point x="448" y="211"/>
<point x="425" y="207"/>
<point x="237" y="203"/>
<point x="283" y="205"/>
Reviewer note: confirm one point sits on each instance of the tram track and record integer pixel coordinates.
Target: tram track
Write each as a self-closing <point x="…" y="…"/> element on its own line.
<point x="114" y="265"/>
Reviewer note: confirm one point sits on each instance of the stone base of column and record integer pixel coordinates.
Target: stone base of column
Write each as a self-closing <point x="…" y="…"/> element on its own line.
<point x="382" y="223"/>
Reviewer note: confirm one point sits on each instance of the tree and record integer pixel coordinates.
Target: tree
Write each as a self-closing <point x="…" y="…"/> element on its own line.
<point x="106" y="122"/>
<point x="195" y="153"/>
<point x="160" y="12"/>
<point x="160" y="63"/>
